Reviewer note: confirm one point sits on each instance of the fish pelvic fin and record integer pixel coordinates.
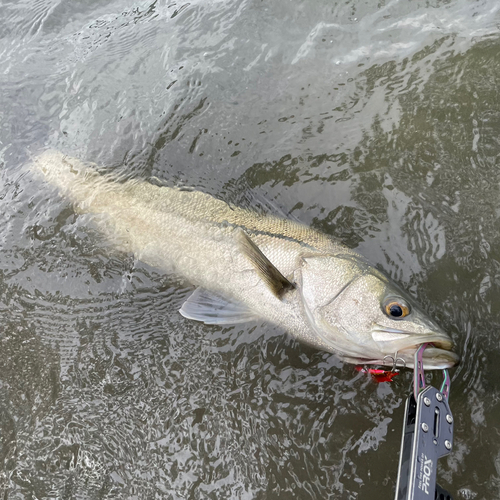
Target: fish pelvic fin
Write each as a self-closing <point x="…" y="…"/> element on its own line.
<point x="269" y="274"/>
<point x="212" y="309"/>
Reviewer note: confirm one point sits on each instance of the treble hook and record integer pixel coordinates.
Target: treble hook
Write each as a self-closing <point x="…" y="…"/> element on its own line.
<point x="395" y="360"/>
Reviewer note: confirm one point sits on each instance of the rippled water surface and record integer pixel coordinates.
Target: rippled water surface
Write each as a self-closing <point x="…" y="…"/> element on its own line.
<point x="376" y="122"/>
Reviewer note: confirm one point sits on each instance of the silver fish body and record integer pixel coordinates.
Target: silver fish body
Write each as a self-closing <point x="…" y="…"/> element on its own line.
<point x="248" y="265"/>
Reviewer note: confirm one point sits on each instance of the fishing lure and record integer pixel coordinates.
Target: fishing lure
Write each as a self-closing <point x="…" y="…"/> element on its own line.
<point x="377" y="374"/>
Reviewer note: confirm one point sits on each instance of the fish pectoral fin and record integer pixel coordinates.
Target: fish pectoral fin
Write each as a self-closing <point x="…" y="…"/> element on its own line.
<point x="274" y="280"/>
<point x="212" y="309"/>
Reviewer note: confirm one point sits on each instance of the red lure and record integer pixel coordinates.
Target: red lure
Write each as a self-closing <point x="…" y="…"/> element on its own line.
<point x="377" y="375"/>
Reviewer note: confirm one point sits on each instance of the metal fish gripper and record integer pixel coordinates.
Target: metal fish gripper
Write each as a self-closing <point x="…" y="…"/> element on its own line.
<point x="427" y="436"/>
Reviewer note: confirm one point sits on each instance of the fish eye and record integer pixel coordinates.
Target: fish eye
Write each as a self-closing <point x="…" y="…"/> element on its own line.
<point x="396" y="309"/>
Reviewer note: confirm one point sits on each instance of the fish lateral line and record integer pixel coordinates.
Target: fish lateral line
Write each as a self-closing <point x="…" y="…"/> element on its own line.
<point x="249" y="230"/>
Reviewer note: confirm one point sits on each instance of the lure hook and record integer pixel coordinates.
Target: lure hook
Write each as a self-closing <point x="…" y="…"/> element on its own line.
<point x="395" y="360"/>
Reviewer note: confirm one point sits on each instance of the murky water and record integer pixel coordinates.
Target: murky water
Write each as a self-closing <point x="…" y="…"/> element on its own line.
<point x="378" y="123"/>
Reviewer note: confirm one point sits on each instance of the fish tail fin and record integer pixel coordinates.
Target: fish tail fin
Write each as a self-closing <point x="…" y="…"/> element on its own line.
<point x="74" y="179"/>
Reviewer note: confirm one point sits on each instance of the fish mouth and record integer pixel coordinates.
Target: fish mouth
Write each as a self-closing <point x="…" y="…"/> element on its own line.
<point x="434" y="358"/>
<point x="403" y="345"/>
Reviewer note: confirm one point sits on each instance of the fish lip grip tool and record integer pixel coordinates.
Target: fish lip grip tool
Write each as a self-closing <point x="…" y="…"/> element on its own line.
<point x="427" y="436"/>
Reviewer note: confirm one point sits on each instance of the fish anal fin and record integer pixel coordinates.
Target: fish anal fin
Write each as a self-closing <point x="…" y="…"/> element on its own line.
<point x="274" y="280"/>
<point x="212" y="309"/>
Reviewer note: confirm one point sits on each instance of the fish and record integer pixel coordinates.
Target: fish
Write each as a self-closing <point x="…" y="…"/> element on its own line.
<point x="250" y="266"/>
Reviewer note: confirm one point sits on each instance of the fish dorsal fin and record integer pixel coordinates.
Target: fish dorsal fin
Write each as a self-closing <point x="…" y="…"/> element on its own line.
<point x="212" y="309"/>
<point x="274" y="280"/>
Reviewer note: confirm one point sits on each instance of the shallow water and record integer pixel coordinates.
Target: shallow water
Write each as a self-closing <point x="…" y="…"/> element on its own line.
<point x="374" y="122"/>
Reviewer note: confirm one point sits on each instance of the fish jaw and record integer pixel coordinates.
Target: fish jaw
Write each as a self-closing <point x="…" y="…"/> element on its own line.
<point x="403" y="346"/>
<point x="434" y="358"/>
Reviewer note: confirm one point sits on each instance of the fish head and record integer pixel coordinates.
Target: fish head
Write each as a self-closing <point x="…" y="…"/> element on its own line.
<point x="358" y="313"/>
